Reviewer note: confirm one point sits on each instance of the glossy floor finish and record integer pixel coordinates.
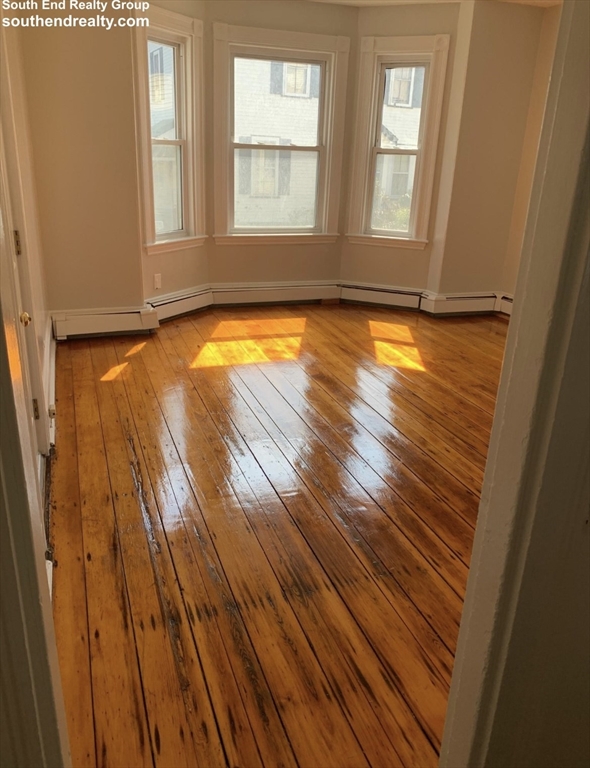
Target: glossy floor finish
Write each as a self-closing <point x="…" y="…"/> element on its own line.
<point x="262" y="521"/>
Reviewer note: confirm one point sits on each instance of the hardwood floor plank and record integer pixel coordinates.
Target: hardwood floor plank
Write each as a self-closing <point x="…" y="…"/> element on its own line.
<point x="70" y="608"/>
<point x="121" y="727"/>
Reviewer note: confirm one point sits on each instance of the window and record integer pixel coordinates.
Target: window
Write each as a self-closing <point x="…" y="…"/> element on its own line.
<point x="170" y="122"/>
<point x="297" y="79"/>
<point x="399" y="86"/>
<point x="401" y="91"/>
<point x="278" y="143"/>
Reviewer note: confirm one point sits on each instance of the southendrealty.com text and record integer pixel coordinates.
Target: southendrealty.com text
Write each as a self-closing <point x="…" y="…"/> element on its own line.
<point x="74" y="20"/>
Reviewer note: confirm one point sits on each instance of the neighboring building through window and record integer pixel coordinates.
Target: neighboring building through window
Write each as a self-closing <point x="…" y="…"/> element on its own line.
<point x="396" y="149"/>
<point x="262" y="114"/>
<point x="168" y="139"/>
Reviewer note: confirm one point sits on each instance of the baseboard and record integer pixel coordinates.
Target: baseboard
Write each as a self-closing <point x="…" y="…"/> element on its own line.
<point x="458" y="304"/>
<point x="391" y="296"/>
<point x="274" y="293"/>
<point x="504" y="303"/>
<point x="181" y="302"/>
<point x="157" y="308"/>
<point x="103" y="321"/>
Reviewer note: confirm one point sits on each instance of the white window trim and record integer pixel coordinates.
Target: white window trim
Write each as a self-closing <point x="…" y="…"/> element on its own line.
<point x="375" y="52"/>
<point x="186" y="32"/>
<point x="332" y="53"/>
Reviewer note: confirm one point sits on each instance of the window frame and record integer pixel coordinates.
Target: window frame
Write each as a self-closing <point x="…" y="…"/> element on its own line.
<point x="185" y="34"/>
<point x="331" y="53"/>
<point x="378" y="54"/>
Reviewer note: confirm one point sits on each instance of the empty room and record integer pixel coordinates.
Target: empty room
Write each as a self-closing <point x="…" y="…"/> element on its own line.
<point x="294" y="383"/>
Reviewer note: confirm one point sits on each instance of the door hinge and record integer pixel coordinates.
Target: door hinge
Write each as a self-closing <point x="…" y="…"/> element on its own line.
<point x="36" y="409"/>
<point x="17" y="245"/>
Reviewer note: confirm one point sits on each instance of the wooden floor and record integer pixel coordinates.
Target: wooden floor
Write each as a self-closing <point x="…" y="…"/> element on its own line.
<point x="262" y="520"/>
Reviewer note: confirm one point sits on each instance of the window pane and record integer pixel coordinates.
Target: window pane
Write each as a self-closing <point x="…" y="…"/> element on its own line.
<point x="392" y="193"/>
<point x="402" y="107"/>
<point x="162" y="69"/>
<point x="275" y="189"/>
<point x="167" y="165"/>
<point x="276" y="98"/>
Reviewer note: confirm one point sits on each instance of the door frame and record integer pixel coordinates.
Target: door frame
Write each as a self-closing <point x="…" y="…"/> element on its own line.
<point x="33" y="714"/>
<point x="532" y="513"/>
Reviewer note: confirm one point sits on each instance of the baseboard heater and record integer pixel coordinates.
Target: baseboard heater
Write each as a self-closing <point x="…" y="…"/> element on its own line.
<point x="174" y="305"/>
<point x="371" y="295"/>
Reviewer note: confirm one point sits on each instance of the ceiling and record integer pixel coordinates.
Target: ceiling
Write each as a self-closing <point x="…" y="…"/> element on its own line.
<point x="363" y="3"/>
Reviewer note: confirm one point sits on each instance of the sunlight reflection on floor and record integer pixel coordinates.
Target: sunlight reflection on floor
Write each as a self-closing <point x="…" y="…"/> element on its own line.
<point x="400" y="355"/>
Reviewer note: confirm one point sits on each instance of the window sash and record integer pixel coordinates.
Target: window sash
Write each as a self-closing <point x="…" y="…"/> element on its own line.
<point x="276" y="149"/>
<point x="376" y="151"/>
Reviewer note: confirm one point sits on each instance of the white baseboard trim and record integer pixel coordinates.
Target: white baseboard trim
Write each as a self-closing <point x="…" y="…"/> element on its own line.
<point x="273" y="293"/>
<point x="458" y="303"/>
<point x="181" y="302"/>
<point x="133" y="319"/>
<point x="102" y="321"/>
<point x="504" y="303"/>
<point x="392" y="296"/>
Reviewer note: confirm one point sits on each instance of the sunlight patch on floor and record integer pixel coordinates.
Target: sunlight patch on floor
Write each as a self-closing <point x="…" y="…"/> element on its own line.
<point x="247" y="351"/>
<point x="250" y="329"/>
<point x="115" y="371"/>
<point x="137" y="348"/>
<point x="402" y="354"/>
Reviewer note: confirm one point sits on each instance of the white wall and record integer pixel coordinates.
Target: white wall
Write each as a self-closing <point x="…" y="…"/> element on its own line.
<point x="81" y="108"/>
<point x="545" y="52"/>
<point x="500" y="75"/>
<point x="399" y="266"/>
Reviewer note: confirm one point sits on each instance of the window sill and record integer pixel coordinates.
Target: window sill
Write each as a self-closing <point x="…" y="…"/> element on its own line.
<point x="180" y="244"/>
<point x="391" y="242"/>
<point x="289" y="238"/>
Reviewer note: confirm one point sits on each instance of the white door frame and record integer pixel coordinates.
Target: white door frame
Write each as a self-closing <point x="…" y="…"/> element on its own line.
<point x="34" y="731"/>
<point x="510" y="702"/>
